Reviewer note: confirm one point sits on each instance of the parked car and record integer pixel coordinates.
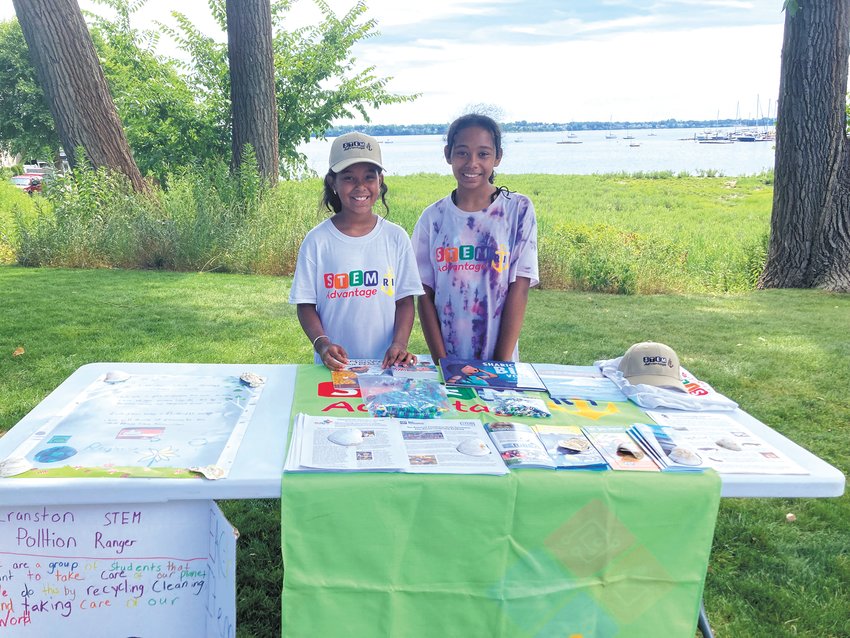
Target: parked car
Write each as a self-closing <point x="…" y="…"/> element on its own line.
<point x="30" y="183"/>
<point x="37" y="166"/>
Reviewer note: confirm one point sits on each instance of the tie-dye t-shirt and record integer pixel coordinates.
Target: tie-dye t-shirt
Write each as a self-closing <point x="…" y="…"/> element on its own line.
<point x="469" y="260"/>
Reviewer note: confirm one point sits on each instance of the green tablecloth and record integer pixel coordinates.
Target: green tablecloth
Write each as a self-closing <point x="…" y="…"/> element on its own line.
<point x="535" y="553"/>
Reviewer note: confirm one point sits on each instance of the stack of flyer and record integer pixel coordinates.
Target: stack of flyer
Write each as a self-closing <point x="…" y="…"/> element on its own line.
<point x="578" y="382"/>
<point x="619" y="449"/>
<point x="432" y="446"/>
<point x="687" y="441"/>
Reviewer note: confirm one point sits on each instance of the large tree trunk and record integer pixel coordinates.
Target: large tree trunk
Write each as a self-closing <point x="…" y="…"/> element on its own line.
<point x="252" y="93"/>
<point x="810" y="224"/>
<point x="75" y="89"/>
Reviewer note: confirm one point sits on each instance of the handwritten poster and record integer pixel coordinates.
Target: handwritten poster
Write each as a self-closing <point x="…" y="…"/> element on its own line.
<point x="164" y="570"/>
<point x="142" y="425"/>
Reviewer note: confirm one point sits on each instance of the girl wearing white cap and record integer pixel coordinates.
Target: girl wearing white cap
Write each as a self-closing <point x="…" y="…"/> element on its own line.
<point x="356" y="274"/>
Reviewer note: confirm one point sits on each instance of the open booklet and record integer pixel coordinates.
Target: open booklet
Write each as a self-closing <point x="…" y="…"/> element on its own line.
<point x="688" y="441"/>
<point x="544" y="446"/>
<point x="433" y="446"/>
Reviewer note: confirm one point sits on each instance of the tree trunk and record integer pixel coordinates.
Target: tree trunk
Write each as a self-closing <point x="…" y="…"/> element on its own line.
<point x="75" y="89"/>
<point x="810" y="223"/>
<point x="252" y="91"/>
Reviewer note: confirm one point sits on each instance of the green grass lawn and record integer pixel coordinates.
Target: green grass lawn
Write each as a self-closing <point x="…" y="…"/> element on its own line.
<point x="783" y="355"/>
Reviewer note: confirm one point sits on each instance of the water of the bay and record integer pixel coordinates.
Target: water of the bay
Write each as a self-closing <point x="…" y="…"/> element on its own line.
<point x="650" y="150"/>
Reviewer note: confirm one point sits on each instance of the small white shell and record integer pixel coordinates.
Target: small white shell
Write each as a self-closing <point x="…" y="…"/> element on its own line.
<point x="630" y="449"/>
<point x="116" y="376"/>
<point x="729" y="444"/>
<point x="574" y="445"/>
<point x="346" y="436"/>
<point x="14" y="465"/>
<point x="684" y="456"/>
<point x="251" y="380"/>
<point x="473" y="447"/>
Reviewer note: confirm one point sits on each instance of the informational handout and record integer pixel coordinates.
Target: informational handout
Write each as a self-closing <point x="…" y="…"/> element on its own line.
<point x="619" y="449"/>
<point x="143" y="425"/>
<point x="688" y="440"/>
<point x="519" y="445"/>
<point x="164" y="570"/>
<point x="577" y="382"/>
<point x="436" y="446"/>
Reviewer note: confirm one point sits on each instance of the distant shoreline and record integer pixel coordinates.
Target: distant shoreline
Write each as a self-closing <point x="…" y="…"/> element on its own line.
<point x="522" y="126"/>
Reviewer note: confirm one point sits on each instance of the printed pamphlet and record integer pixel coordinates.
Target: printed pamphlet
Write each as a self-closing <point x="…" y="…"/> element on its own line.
<point x="433" y="446"/>
<point x="682" y="441"/>
<point x="619" y="449"/>
<point x="569" y="448"/>
<point x="424" y="368"/>
<point x="346" y="378"/>
<point x="518" y="445"/>
<point x="506" y="375"/>
<point x="578" y="382"/>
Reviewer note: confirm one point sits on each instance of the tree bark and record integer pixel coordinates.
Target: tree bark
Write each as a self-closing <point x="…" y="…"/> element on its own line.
<point x="252" y="89"/>
<point x="810" y="223"/>
<point x="67" y="68"/>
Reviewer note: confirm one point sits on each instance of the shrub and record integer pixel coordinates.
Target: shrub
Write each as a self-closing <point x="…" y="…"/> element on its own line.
<point x="207" y="219"/>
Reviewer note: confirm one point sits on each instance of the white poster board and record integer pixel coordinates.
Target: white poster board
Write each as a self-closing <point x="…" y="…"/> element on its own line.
<point x="160" y="570"/>
<point x="133" y="424"/>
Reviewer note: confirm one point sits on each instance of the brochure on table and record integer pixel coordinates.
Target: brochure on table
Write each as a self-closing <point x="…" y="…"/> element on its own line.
<point x="709" y="440"/>
<point x="508" y="375"/>
<point x="315" y="395"/>
<point x="165" y="569"/>
<point x="142" y="425"/>
<point x="578" y="382"/>
<point x="428" y="446"/>
<point x="619" y="449"/>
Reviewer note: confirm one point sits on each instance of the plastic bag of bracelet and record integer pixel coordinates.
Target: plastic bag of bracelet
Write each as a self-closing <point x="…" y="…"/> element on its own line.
<point x="514" y="403"/>
<point x="403" y="398"/>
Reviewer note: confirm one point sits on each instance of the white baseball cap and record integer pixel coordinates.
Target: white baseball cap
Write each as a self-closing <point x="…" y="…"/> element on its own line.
<point x="352" y="148"/>
<point x="652" y="363"/>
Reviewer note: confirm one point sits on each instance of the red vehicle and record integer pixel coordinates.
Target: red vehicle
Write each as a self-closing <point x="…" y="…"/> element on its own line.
<point x="30" y="183"/>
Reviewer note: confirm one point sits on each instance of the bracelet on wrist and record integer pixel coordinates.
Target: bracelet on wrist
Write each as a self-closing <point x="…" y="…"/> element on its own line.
<point x="320" y="337"/>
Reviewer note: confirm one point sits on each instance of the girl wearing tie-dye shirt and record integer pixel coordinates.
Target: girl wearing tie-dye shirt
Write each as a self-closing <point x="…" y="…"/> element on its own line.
<point x="477" y="252"/>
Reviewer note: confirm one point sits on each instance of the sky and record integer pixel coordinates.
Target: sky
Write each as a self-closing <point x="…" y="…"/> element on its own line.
<point x="556" y="60"/>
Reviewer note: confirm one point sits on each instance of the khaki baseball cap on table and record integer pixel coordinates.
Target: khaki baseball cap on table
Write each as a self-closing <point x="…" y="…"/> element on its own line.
<point x="352" y="148"/>
<point x="652" y="363"/>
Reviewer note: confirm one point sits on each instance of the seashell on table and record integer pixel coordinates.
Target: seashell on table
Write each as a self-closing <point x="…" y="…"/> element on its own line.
<point x="684" y="456"/>
<point x="346" y="436"/>
<point x="630" y="449"/>
<point x="574" y="445"/>
<point x="473" y="447"/>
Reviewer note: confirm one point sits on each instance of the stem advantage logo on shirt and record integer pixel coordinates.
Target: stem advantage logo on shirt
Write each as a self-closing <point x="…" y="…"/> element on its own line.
<point x="473" y="258"/>
<point x="359" y="283"/>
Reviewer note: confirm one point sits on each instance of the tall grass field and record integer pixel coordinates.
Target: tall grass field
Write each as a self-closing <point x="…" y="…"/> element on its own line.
<point x="622" y="234"/>
<point x="212" y="283"/>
